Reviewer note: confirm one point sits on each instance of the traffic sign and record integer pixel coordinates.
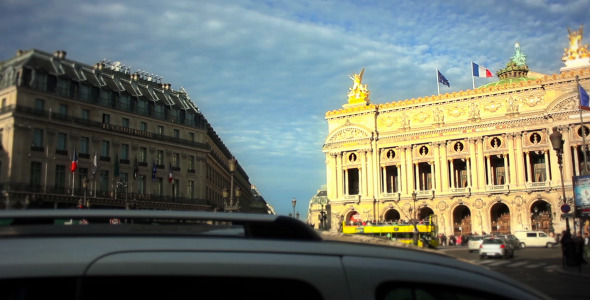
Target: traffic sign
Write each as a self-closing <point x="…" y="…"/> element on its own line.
<point x="565" y="208"/>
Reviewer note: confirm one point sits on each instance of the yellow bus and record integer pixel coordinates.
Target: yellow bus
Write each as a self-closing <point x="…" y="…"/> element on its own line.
<point x="427" y="231"/>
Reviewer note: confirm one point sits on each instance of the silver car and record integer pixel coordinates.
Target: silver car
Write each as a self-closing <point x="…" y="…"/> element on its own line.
<point x="474" y="242"/>
<point x="495" y="247"/>
<point x="179" y="255"/>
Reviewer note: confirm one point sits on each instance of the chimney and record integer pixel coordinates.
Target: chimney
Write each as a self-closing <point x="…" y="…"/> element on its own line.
<point x="59" y="54"/>
<point x="19" y="52"/>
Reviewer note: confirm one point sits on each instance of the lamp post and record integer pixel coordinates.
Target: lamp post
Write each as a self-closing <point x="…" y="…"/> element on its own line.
<point x="557" y="144"/>
<point x="294" y="202"/>
<point x="536" y="218"/>
<point x="85" y="186"/>
<point x="231" y="206"/>
<point x="414" y="197"/>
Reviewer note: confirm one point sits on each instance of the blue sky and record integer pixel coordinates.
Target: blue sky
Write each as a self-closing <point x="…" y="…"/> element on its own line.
<point x="264" y="73"/>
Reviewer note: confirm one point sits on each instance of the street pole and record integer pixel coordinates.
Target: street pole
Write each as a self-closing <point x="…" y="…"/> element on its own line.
<point x="557" y="143"/>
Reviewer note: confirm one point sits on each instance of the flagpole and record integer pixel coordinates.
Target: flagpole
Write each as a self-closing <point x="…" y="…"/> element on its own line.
<point x="472" y="77"/>
<point x="437" y="82"/>
<point x="585" y="149"/>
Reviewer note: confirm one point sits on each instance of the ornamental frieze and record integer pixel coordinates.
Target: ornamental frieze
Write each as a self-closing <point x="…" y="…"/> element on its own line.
<point x="568" y="104"/>
<point x="422" y="116"/>
<point x="492" y="106"/>
<point x="349" y="134"/>
<point x="455" y="111"/>
<point x="388" y="121"/>
<point x="533" y="101"/>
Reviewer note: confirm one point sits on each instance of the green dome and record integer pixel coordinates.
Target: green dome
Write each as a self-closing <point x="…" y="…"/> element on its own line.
<point x="508" y="81"/>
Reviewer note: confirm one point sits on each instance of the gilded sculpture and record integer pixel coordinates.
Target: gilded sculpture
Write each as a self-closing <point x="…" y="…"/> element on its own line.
<point x="359" y="93"/>
<point x="576" y="49"/>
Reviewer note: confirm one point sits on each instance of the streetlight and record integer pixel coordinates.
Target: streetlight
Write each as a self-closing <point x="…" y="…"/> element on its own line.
<point x="414" y="196"/>
<point x="231" y="207"/>
<point x="536" y="217"/>
<point x="557" y="143"/>
<point x="294" y="202"/>
<point x="85" y="186"/>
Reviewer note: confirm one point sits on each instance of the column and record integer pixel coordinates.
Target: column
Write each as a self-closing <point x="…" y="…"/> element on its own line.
<point x="481" y="163"/>
<point x="547" y="166"/>
<point x="433" y="175"/>
<point x="506" y="174"/>
<point x="511" y="160"/>
<point x="403" y="175"/>
<point x="363" y="181"/>
<point x="399" y="178"/>
<point x="410" y="169"/>
<point x="384" y="180"/>
<point x="346" y="182"/>
<point x="468" y="161"/>
<point x="417" y="170"/>
<point x="521" y="179"/>
<point x="452" y="166"/>
<point x="488" y="160"/>
<point x="576" y="161"/>
<point x="474" y="162"/>
<point x="437" y="176"/>
<point x="444" y="168"/>
<point x="529" y="176"/>
<point x="339" y="180"/>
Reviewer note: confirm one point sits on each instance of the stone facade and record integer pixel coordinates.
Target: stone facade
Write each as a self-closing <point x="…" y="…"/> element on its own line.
<point x="480" y="160"/>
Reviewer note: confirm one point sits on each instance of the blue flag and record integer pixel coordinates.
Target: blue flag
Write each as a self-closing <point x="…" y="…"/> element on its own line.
<point x="584" y="100"/>
<point x="442" y="79"/>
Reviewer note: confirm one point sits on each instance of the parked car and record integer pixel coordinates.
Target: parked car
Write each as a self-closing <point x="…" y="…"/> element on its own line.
<point x="178" y="255"/>
<point x="474" y="242"/>
<point x="513" y="240"/>
<point x="535" y="239"/>
<point x="495" y="247"/>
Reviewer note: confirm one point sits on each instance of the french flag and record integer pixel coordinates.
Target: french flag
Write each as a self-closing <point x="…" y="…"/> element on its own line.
<point x="74" y="162"/>
<point x="480" y="71"/>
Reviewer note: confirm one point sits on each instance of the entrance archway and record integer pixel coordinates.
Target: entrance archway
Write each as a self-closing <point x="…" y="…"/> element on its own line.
<point x="424" y="213"/>
<point x="541" y="216"/>
<point x="352" y="217"/>
<point x="391" y="215"/>
<point x="500" y="214"/>
<point x="461" y="220"/>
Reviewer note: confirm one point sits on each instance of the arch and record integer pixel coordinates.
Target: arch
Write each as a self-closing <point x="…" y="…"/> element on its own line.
<point x="347" y="132"/>
<point x="541" y="216"/>
<point x="348" y="216"/>
<point x="391" y="215"/>
<point x="500" y="218"/>
<point x="461" y="220"/>
<point x="424" y="212"/>
<point x="566" y="102"/>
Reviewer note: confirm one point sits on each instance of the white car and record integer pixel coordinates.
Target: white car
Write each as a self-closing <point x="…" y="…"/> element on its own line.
<point x="474" y="242"/>
<point x="495" y="247"/>
<point x="535" y="239"/>
<point x="179" y="255"/>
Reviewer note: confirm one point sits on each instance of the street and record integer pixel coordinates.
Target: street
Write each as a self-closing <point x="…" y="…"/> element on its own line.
<point x="540" y="268"/>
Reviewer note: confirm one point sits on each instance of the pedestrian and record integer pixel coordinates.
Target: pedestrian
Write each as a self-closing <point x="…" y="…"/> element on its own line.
<point x="460" y="240"/>
<point x="586" y="246"/>
<point x="444" y="239"/>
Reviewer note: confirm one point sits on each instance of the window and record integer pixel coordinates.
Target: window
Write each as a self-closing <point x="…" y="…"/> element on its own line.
<point x="3" y="103"/>
<point x="36" y="171"/>
<point x="125" y="102"/>
<point x="125" y="122"/>
<point x="142" y="107"/>
<point x="84" y="142"/>
<point x="63" y="110"/>
<point x="103" y="181"/>
<point x="175" y="188"/>
<point x="104" y="149"/>
<point x="60" y="178"/>
<point x="39" y="105"/>
<point x="191" y="162"/>
<point x="105" y="97"/>
<point x="191" y="136"/>
<point x="143" y="154"/>
<point x="62" y="141"/>
<point x="160" y="157"/>
<point x="84" y="93"/>
<point x="176" y="160"/>
<point x="160" y="130"/>
<point x="143" y="126"/>
<point x="85" y="114"/>
<point x="106" y="118"/>
<point x="141" y="184"/>
<point x="37" y="137"/>
<point x="125" y="151"/>
<point x="190" y="189"/>
<point x="159" y="186"/>
<point x="176" y="133"/>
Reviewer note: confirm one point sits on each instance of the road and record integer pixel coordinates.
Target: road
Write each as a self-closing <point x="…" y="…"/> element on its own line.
<point x="540" y="268"/>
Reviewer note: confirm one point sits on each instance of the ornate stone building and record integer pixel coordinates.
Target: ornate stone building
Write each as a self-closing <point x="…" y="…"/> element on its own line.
<point x="138" y="142"/>
<point x="480" y="160"/>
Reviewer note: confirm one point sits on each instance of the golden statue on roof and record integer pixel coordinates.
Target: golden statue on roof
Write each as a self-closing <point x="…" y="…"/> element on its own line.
<point x="359" y="93"/>
<point x="576" y="49"/>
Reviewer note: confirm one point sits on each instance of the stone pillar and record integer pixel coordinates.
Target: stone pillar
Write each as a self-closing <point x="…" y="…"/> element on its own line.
<point x="512" y="160"/>
<point x="404" y="172"/>
<point x="474" y="162"/>
<point x="506" y="171"/>
<point x="576" y="161"/>
<point x="437" y="176"/>
<point x="567" y="155"/>
<point x="520" y="168"/>
<point x="529" y="175"/>
<point x="489" y="169"/>
<point x="452" y="165"/>
<point x="468" y="161"/>
<point x="481" y="164"/>
<point x="444" y="168"/>
<point x="548" y="166"/>
<point x="410" y="169"/>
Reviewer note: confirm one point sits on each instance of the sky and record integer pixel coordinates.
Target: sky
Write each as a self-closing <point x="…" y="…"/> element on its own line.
<point x="264" y="73"/>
